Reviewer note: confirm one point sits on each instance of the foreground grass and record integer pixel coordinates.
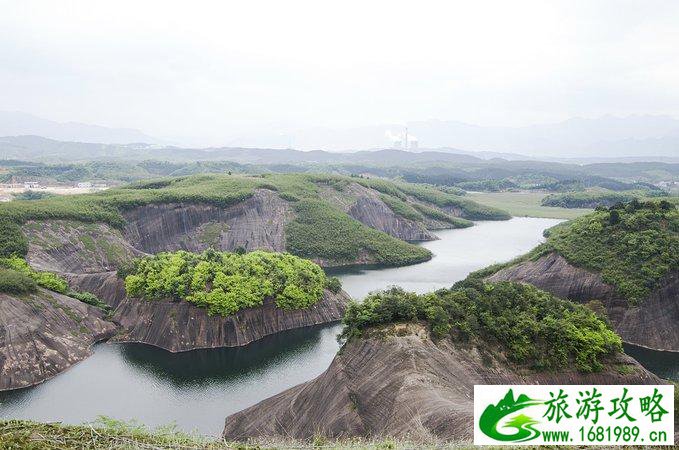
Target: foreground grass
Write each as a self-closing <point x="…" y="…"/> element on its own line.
<point x="110" y="434"/>
<point x="525" y="204"/>
<point x="114" y="435"/>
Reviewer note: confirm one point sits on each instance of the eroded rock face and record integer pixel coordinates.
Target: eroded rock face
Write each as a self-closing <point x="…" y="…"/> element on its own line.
<point x="366" y="206"/>
<point x="652" y="323"/>
<point x="374" y="213"/>
<point x="401" y="386"/>
<point x="68" y="246"/>
<point x="105" y="285"/>
<point x="179" y="326"/>
<point x="256" y="223"/>
<point x="44" y="334"/>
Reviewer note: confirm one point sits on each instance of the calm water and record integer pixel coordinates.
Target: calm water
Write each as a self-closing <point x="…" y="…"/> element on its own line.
<point x="663" y="364"/>
<point x="198" y="389"/>
<point x="457" y="253"/>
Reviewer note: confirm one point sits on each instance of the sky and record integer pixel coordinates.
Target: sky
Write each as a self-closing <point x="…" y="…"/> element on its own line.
<point x="215" y="70"/>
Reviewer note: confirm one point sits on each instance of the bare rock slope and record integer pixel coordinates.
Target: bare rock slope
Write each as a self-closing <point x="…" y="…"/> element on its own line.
<point x="179" y="326"/>
<point x="257" y="223"/>
<point x="651" y="323"/>
<point x="43" y="334"/>
<point x="403" y="385"/>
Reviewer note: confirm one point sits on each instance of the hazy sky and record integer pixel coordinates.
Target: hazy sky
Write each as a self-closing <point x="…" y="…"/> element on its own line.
<point x="218" y="69"/>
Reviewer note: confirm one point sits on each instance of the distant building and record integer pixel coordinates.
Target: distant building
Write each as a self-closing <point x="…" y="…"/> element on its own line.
<point x="85" y="185"/>
<point x="32" y="185"/>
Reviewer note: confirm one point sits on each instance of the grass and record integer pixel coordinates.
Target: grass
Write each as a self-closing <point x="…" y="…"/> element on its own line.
<point x="525" y="204"/>
<point x="401" y="208"/>
<point x="109" y="434"/>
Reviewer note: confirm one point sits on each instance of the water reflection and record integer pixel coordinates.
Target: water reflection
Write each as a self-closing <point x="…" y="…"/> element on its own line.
<point x="196" y="390"/>
<point x="206" y="366"/>
<point x="663" y="364"/>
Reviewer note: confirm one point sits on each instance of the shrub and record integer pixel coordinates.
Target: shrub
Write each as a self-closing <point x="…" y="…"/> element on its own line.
<point x="48" y="280"/>
<point x="225" y="283"/>
<point x="334" y="285"/>
<point x="33" y="195"/>
<point x="12" y="240"/>
<point x="90" y="299"/>
<point x="595" y="198"/>
<point x="633" y="246"/>
<point x="321" y="231"/>
<point x="533" y="327"/>
<point x="436" y="214"/>
<point x="13" y="282"/>
<point x="401" y="208"/>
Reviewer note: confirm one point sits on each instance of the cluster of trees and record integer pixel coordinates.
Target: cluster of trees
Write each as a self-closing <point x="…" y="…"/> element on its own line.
<point x="632" y="245"/>
<point x="322" y="231"/>
<point x="595" y="198"/>
<point x="48" y="280"/>
<point x="17" y="277"/>
<point x="418" y="211"/>
<point x="532" y="326"/>
<point x="13" y="282"/>
<point x="225" y="283"/>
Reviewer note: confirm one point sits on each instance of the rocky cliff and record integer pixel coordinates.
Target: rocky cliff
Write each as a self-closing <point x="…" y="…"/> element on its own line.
<point x="374" y="213"/>
<point x="366" y="206"/>
<point x="256" y="223"/>
<point x="651" y="323"/>
<point x="402" y="385"/>
<point x="179" y="326"/>
<point x="105" y="285"/>
<point x="68" y="246"/>
<point x="43" y="334"/>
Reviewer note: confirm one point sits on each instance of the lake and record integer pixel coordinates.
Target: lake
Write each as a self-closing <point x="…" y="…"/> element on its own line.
<point x="198" y="389"/>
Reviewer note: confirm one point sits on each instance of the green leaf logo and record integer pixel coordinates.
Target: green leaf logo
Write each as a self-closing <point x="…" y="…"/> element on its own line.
<point x="493" y="414"/>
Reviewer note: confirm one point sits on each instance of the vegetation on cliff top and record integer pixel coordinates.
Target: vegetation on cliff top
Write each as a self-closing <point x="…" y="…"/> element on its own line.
<point x="225" y="283"/>
<point x="220" y="190"/>
<point x="532" y="326"/>
<point x="321" y="231"/>
<point x="48" y="280"/>
<point x="13" y="282"/>
<point x="17" y="277"/>
<point x="226" y="190"/>
<point x="595" y="198"/>
<point x="633" y="246"/>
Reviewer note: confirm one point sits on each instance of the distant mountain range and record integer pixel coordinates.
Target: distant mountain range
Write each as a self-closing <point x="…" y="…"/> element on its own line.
<point x="604" y="139"/>
<point x="37" y="148"/>
<point x="18" y="123"/>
